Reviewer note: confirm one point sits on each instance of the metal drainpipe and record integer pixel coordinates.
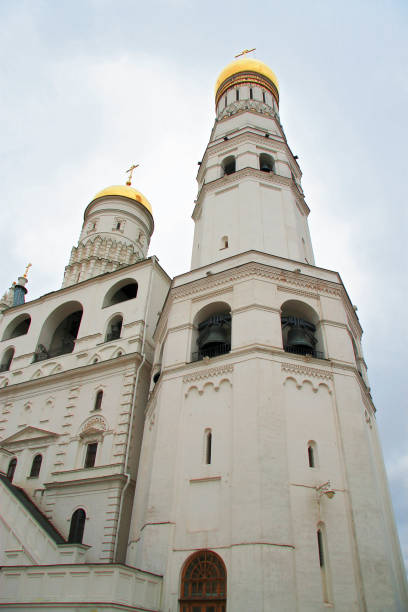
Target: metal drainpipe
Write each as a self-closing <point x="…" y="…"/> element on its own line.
<point x="138" y="368"/>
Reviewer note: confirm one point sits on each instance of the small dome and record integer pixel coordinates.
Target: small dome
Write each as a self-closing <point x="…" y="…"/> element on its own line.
<point x="246" y="65"/>
<point x="127" y="192"/>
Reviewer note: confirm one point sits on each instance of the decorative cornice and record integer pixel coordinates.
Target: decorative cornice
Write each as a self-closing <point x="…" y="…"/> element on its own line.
<point x="306" y="371"/>
<point x="308" y="294"/>
<point x="266" y="177"/>
<point x="203" y="374"/>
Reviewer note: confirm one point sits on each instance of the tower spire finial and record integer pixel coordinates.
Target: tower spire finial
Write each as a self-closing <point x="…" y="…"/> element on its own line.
<point x="245" y="51"/>
<point x="130" y="172"/>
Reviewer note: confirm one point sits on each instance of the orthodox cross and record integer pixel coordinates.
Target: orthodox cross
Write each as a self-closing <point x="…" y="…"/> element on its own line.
<point x="130" y="172"/>
<point x="26" y="270"/>
<point x="245" y="51"/>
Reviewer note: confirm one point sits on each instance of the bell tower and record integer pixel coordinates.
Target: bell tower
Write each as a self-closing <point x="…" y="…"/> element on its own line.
<point x="249" y="193"/>
<point x="261" y="483"/>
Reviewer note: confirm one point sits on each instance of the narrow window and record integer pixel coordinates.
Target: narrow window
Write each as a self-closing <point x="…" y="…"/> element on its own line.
<point x="98" y="400"/>
<point x="323" y="562"/>
<point x="208" y="447"/>
<point x="118" y="225"/>
<point x="11" y="469"/>
<point x="310" y="453"/>
<point x="320" y="547"/>
<point x="91" y="455"/>
<point x="224" y="242"/>
<point x="264" y="97"/>
<point x="237" y="95"/>
<point x="251" y="93"/>
<point x="225" y="102"/>
<point x="76" y="530"/>
<point x="36" y="466"/>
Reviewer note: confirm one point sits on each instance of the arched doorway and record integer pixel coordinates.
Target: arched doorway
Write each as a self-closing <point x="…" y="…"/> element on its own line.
<point x="203" y="583"/>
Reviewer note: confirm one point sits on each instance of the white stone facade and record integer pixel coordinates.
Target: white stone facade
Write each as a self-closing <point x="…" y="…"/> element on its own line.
<point x="264" y="458"/>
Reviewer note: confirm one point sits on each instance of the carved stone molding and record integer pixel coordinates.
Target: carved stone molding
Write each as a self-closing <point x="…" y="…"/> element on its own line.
<point x="204" y="374"/>
<point x="306" y="371"/>
<point x="267" y="177"/>
<point x="308" y="294"/>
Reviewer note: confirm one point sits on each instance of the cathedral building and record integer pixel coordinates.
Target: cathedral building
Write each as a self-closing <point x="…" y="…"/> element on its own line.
<point x="206" y="443"/>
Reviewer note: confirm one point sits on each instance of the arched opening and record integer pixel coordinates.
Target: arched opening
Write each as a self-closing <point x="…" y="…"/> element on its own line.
<point x="301" y="333"/>
<point x="203" y="583"/>
<point x="36" y="466"/>
<point x="114" y="328"/>
<point x="224" y="242"/>
<point x="6" y="360"/>
<point x="76" y="530"/>
<point x="266" y="163"/>
<point x="208" y="446"/>
<point x="212" y="331"/>
<point x="122" y="291"/>
<point x="312" y="454"/>
<point x="11" y="469"/>
<point x="98" y="400"/>
<point x="228" y="165"/>
<point x="17" y="327"/>
<point x="59" y="332"/>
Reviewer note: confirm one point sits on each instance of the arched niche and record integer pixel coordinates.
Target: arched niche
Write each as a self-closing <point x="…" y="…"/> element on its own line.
<point x="301" y="329"/>
<point x="59" y="331"/>
<point x="123" y="290"/>
<point x="17" y="327"/>
<point x="211" y="331"/>
<point x="6" y="359"/>
<point x="114" y="328"/>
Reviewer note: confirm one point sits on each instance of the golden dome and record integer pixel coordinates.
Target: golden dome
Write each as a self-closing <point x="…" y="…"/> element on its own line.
<point x="127" y="192"/>
<point x="247" y="64"/>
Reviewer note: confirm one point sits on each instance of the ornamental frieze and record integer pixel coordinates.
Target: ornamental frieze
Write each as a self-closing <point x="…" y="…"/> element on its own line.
<point x="293" y="368"/>
<point x="204" y="374"/>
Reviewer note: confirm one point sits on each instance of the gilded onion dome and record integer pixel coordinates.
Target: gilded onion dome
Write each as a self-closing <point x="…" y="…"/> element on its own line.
<point x="127" y="192"/>
<point x="246" y="70"/>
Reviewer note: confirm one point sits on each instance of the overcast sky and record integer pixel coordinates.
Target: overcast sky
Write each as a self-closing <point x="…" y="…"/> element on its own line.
<point x="88" y="87"/>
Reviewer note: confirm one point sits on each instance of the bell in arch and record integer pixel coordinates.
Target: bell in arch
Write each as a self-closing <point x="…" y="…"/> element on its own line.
<point x="214" y="333"/>
<point x="300" y="338"/>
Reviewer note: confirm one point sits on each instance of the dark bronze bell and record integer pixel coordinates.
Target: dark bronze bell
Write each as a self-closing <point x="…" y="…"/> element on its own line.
<point x="215" y="335"/>
<point x="299" y="336"/>
<point x="265" y="167"/>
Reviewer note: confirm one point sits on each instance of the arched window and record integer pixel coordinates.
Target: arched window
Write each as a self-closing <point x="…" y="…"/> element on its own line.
<point x="208" y="446"/>
<point x="237" y="94"/>
<point x="36" y="466"/>
<point x="18" y="327"/>
<point x="121" y="292"/>
<point x="76" y="530"/>
<point x="266" y="163"/>
<point x="224" y="242"/>
<point x="59" y="332"/>
<point x="203" y="583"/>
<point x="114" y="329"/>
<point x="263" y="97"/>
<point x="251" y="93"/>
<point x="98" y="400"/>
<point x="7" y="359"/>
<point x="228" y="165"/>
<point x="11" y="469"/>
<point x="312" y="454"/>
<point x="212" y="331"/>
